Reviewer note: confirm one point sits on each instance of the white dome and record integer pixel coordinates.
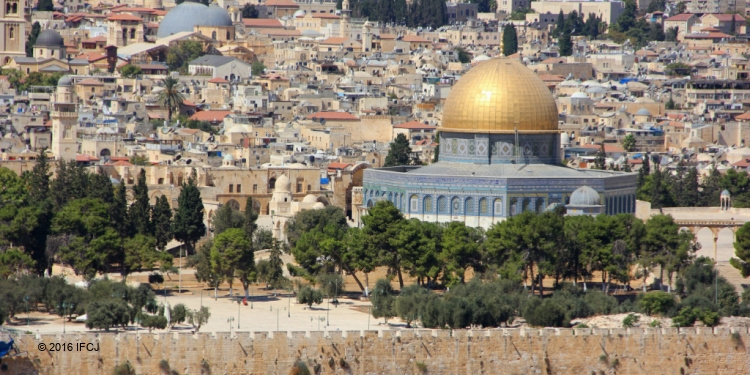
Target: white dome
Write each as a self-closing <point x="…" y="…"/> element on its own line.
<point x="318" y="206"/>
<point x="283" y="184"/>
<point x="585" y="196"/>
<point x="237" y="129"/>
<point x="579" y="95"/>
<point x="309" y="198"/>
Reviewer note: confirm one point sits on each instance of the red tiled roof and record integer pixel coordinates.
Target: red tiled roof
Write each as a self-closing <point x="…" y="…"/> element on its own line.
<point x="711" y="35"/>
<point x="744" y="116"/>
<point x="153" y="115"/>
<point x="138" y="10"/>
<point x="727" y="17"/>
<point x="85" y="158"/>
<point x="262" y="23"/>
<point x="124" y="17"/>
<point x="188" y="103"/>
<point x="340" y="116"/>
<point x="415" y="39"/>
<point x="335" y="40"/>
<point x="415" y="125"/>
<point x="680" y="17"/>
<point x="210" y="116"/>
<point x="335" y="166"/>
<point x="218" y="80"/>
<point x="123" y="163"/>
<point x="744" y="163"/>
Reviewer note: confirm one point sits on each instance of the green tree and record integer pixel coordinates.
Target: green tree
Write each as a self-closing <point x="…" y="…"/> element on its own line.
<point x="177" y="314"/>
<point x="45" y="6"/>
<point x="399" y="152"/>
<point x="204" y="272"/>
<point x="410" y="303"/>
<point x="257" y="68"/>
<point x="565" y="44"/>
<point x="627" y="19"/>
<point x="139" y="212"/>
<point x="309" y="296"/>
<point x="519" y="15"/>
<point x="678" y="68"/>
<point x="510" y="40"/>
<point x="419" y="245"/>
<point x="742" y="250"/>
<point x="251" y="216"/>
<point x="382" y="299"/>
<point x="460" y="250"/>
<point x="171" y="98"/>
<point x="227" y="252"/>
<point x="463" y="56"/>
<point x="227" y="217"/>
<point x="628" y="143"/>
<point x="130" y="71"/>
<point x="107" y="313"/>
<point x="162" y="222"/>
<point x="38" y="214"/>
<point x="139" y="253"/>
<point x="187" y="225"/>
<point x="36" y="28"/>
<point x="275" y="266"/>
<point x="381" y="226"/>
<point x="90" y="244"/>
<point x="249" y="11"/>
<point x="559" y="25"/>
<point x="13" y="261"/>
<point x="118" y="212"/>
<point x="180" y="54"/>
<point x="600" y="161"/>
<point x="358" y="256"/>
<point x="671" y="34"/>
<point x="198" y="317"/>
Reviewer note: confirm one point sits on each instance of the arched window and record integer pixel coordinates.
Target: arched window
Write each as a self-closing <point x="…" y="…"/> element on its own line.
<point x="497" y="207"/>
<point x="483" y="206"/>
<point x="132" y="33"/>
<point x="443" y="205"/>
<point x="11" y="32"/>
<point x="513" y="206"/>
<point x="413" y="203"/>
<point x="213" y="35"/>
<point x="427" y="204"/>
<point x="469" y="207"/>
<point x="228" y="36"/>
<point x="455" y="206"/>
<point x="124" y="34"/>
<point x="14" y="9"/>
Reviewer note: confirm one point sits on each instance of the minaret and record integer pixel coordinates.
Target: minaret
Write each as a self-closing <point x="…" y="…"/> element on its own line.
<point x="64" y="119"/>
<point x="366" y="37"/>
<point x="345" y="19"/>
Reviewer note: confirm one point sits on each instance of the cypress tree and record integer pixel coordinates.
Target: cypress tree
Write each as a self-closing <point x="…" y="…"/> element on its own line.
<point x="162" y="222"/>
<point x="510" y="40"/>
<point x="188" y="224"/>
<point x="140" y="211"/>
<point x="36" y="243"/>
<point x="559" y="25"/>
<point x="118" y="212"/>
<point x="100" y="187"/>
<point x="251" y="216"/>
<point x="565" y="44"/>
<point x="36" y="28"/>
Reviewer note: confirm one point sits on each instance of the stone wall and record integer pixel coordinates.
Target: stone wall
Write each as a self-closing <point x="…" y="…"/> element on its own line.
<point x="500" y="351"/>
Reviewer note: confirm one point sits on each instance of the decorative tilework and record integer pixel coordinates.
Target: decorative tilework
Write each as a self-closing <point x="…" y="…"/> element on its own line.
<point x="463" y="147"/>
<point x="482" y="147"/>
<point x="472" y="147"/>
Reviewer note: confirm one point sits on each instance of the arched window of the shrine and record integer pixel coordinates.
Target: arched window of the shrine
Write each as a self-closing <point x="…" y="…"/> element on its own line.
<point x="427" y="206"/>
<point x="469" y="207"/>
<point x="443" y="205"/>
<point x="413" y="204"/>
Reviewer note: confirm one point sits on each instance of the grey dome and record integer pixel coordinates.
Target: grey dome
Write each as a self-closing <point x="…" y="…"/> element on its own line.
<point x="49" y="38"/>
<point x="725" y="193"/>
<point x="65" y="81"/>
<point x="585" y="196"/>
<point x="643" y="112"/>
<point x="190" y="14"/>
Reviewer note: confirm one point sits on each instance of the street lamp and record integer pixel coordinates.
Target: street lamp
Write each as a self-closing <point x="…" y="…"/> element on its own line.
<point x="230" y="320"/>
<point x="238" y="312"/>
<point x="65" y="315"/>
<point x="28" y="318"/>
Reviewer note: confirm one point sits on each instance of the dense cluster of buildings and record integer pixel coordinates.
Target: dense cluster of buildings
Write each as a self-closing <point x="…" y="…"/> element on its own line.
<point x="313" y="127"/>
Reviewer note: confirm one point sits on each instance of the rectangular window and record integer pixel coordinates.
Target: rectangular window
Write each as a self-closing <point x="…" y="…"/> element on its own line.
<point x="299" y="187"/>
<point x="239" y="188"/>
<point x="255" y="188"/>
<point x="231" y="188"/>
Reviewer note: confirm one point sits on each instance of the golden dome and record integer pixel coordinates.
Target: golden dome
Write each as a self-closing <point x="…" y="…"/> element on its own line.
<point x="499" y="96"/>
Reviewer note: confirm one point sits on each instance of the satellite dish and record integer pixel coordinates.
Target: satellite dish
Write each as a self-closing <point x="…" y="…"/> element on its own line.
<point x="178" y="157"/>
<point x="189" y="161"/>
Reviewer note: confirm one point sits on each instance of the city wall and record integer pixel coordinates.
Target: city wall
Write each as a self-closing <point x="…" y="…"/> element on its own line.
<point x="499" y="351"/>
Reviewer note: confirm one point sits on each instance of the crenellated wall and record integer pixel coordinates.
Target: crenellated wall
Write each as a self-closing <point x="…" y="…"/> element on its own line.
<point x="500" y="351"/>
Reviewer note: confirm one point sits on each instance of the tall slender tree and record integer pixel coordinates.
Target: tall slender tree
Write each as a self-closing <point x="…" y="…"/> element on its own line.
<point x="140" y="211"/>
<point x="251" y="216"/>
<point x="510" y="40"/>
<point x="171" y="98"/>
<point x="162" y="222"/>
<point x="188" y="224"/>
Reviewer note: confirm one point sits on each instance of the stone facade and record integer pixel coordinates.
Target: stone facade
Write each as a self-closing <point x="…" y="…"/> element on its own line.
<point x="499" y="351"/>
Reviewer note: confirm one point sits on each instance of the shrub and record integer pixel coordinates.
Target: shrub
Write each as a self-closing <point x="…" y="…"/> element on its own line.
<point x="177" y="314"/>
<point x="581" y="325"/>
<point x="600" y="303"/>
<point x="545" y="313"/>
<point x="164" y="366"/>
<point x="382" y="300"/>
<point x="710" y="318"/>
<point x="421" y="366"/>
<point x="656" y="323"/>
<point x="343" y="364"/>
<point x="155" y="278"/>
<point x="656" y="303"/>
<point x="630" y="320"/>
<point x="307" y="295"/>
<point x="124" y="369"/>
<point x="686" y="317"/>
<point x="299" y="368"/>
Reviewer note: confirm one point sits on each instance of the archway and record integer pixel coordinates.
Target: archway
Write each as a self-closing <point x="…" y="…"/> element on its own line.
<point x="105" y="152"/>
<point x="234" y="204"/>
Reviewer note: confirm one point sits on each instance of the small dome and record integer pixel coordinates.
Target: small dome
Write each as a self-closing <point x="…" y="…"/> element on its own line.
<point x="65" y="81"/>
<point x="189" y="14"/>
<point x="105" y="130"/>
<point x="237" y="129"/>
<point x="283" y="184"/>
<point x="309" y="198"/>
<point x="299" y="13"/>
<point x="585" y="196"/>
<point x="319" y="206"/>
<point x="233" y="9"/>
<point x="643" y="112"/>
<point x="228" y="157"/>
<point x="579" y="95"/>
<point x="49" y="38"/>
<point x="725" y="193"/>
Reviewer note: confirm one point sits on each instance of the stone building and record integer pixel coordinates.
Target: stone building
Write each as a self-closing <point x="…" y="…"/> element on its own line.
<point x="499" y="156"/>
